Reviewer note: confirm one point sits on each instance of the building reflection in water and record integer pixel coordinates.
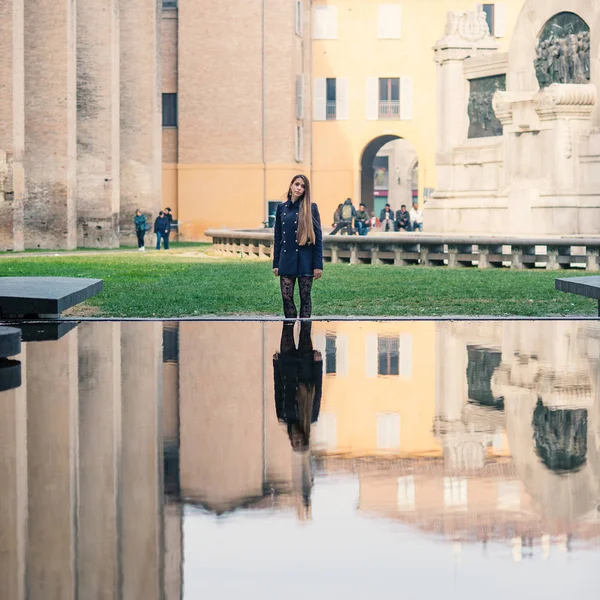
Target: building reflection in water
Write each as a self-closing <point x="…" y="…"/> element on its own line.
<point x="473" y="432"/>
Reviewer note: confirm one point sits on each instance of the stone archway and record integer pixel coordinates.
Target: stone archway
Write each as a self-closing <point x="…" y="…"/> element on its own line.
<point x="397" y="189"/>
<point x="367" y="169"/>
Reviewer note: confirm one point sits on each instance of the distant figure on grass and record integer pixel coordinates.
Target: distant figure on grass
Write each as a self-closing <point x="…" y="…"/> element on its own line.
<point x="140" y="228"/>
<point x="298" y="252"/>
<point x="402" y="219"/>
<point x="363" y="221"/>
<point x="348" y="214"/>
<point x="416" y="218"/>
<point x="387" y="218"/>
<point x="169" y="218"/>
<point x="161" y="226"/>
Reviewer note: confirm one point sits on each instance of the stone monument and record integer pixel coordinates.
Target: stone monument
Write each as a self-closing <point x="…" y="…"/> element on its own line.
<point x="523" y="156"/>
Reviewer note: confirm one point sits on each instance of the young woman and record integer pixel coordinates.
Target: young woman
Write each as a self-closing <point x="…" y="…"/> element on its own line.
<point x="298" y="376"/>
<point x="298" y="252"/>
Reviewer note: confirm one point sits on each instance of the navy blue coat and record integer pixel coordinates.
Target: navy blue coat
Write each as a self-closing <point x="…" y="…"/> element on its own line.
<point x="293" y="260"/>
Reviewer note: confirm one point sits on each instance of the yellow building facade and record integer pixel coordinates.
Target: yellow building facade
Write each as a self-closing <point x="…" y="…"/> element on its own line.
<point x="297" y="87"/>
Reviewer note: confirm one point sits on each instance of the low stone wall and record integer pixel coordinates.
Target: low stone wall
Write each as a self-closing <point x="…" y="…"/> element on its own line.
<point x="399" y="249"/>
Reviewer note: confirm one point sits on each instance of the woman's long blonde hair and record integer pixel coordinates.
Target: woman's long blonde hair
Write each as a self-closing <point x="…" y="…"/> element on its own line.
<point x="306" y="229"/>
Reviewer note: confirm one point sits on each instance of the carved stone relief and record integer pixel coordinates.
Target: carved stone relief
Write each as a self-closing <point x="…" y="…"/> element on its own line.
<point x="563" y="52"/>
<point x="482" y="119"/>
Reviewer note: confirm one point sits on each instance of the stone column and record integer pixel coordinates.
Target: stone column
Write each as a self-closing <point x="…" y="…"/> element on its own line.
<point x="13" y="494"/>
<point x="99" y="457"/>
<point x="466" y="35"/>
<point x="52" y="439"/>
<point x="98" y="158"/>
<point x="141" y="467"/>
<point x="141" y="112"/>
<point x="50" y="124"/>
<point x="12" y="132"/>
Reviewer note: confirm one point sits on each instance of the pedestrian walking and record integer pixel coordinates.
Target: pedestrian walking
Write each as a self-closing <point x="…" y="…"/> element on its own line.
<point x="298" y="251"/>
<point x="139" y="220"/>
<point x="160" y="228"/>
<point x="169" y="218"/>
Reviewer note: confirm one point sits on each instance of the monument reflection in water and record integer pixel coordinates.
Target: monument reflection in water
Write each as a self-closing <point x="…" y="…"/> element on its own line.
<point x="187" y="460"/>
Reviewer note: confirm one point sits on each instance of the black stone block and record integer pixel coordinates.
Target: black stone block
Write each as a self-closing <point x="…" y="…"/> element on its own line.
<point x="44" y="295"/>
<point x="10" y="341"/>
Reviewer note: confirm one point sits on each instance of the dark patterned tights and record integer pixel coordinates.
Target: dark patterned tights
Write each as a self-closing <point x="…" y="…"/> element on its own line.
<point x="287" y="294"/>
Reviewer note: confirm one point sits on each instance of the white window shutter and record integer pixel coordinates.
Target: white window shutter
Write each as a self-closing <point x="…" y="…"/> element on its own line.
<point x="406" y="98"/>
<point x="299" y="96"/>
<point x="342" y="355"/>
<point x="388" y="431"/>
<point x="341" y="100"/>
<point x="320" y="23"/>
<point x="320" y="99"/>
<point x="299" y="17"/>
<point x="332" y="22"/>
<point x="406" y="355"/>
<point x="371" y="355"/>
<point x="389" y="21"/>
<point x="319" y="343"/>
<point x="325" y="434"/>
<point x="500" y="19"/>
<point x="299" y="144"/>
<point x="372" y="98"/>
<point x="406" y="493"/>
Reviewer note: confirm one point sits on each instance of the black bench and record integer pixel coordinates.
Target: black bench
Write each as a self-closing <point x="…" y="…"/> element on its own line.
<point x="582" y="286"/>
<point x="34" y="297"/>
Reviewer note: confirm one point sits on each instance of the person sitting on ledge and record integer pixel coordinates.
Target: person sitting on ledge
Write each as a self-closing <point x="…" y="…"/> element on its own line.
<point x="403" y="219"/>
<point x="416" y="217"/>
<point x="387" y="218"/>
<point x="362" y="220"/>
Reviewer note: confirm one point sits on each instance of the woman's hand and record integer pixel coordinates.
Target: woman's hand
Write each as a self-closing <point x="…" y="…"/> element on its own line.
<point x="276" y="272"/>
<point x="318" y="273"/>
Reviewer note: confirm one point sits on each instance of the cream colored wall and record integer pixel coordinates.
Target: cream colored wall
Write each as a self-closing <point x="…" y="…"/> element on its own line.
<point x="356" y="400"/>
<point x="358" y="54"/>
<point x="221" y="177"/>
<point x="234" y="156"/>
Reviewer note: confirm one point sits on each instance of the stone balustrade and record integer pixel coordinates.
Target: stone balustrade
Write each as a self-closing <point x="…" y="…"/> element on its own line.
<point x="453" y="250"/>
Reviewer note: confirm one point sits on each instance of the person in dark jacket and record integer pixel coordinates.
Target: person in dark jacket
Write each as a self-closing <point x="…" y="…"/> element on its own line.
<point x="362" y="221"/>
<point x="160" y="229"/>
<point x="140" y="228"/>
<point x="403" y="219"/>
<point x="387" y="218"/>
<point x="298" y="247"/>
<point x="169" y="218"/>
<point x="298" y="375"/>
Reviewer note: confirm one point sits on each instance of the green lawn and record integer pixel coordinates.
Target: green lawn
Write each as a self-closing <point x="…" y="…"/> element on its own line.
<point x="175" y="285"/>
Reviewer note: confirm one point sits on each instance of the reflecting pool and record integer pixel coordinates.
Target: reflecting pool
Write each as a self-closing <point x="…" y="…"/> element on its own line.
<point x="218" y="460"/>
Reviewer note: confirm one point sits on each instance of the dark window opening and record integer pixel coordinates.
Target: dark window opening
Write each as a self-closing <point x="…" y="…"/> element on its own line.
<point x="488" y="9"/>
<point x="330" y="354"/>
<point x="388" y="355"/>
<point x="169" y="110"/>
<point x="331" y="99"/>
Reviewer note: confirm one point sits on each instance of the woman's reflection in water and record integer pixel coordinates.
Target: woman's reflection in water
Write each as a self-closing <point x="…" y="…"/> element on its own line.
<point x="298" y="373"/>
